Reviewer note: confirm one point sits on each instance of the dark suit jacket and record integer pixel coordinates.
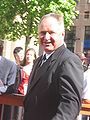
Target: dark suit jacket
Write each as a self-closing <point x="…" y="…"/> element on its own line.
<point x="18" y="79"/>
<point x="55" y="89"/>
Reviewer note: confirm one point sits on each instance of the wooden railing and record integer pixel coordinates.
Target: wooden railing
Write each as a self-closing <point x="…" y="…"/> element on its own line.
<point x="12" y="99"/>
<point x="85" y="110"/>
<point x="17" y="100"/>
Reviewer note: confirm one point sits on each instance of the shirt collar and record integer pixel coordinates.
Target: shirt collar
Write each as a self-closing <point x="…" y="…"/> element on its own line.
<point x="0" y="57"/>
<point x="48" y="55"/>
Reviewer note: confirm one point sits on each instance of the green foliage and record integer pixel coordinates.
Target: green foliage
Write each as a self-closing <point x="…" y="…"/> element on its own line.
<point x="21" y="17"/>
<point x="67" y="7"/>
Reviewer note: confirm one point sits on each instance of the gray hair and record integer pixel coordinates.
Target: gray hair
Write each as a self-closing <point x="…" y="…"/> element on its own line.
<point x="58" y="17"/>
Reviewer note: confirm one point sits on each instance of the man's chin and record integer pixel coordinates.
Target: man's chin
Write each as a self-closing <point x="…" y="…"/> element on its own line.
<point x="48" y="50"/>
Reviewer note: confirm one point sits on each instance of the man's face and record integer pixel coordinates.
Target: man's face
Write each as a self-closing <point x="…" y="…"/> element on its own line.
<point x="19" y="56"/>
<point x="30" y="57"/>
<point x="51" y="34"/>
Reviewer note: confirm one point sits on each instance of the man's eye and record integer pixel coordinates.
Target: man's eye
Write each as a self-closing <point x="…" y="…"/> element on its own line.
<point x="42" y="33"/>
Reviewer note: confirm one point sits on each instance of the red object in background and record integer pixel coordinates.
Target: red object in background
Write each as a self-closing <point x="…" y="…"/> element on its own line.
<point x="24" y="82"/>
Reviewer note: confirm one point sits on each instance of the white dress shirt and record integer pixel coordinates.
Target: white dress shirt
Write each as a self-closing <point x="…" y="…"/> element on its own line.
<point x="47" y="56"/>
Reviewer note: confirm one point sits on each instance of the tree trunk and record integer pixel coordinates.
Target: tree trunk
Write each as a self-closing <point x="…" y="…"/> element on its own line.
<point x="28" y="38"/>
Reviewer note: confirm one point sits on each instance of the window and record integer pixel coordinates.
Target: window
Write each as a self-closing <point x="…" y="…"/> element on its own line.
<point x="87" y="32"/>
<point x="87" y="38"/>
<point x="70" y="38"/>
<point x="86" y="14"/>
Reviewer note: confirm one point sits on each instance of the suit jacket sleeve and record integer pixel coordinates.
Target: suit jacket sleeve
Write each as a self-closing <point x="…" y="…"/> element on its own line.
<point x="10" y="78"/>
<point x="70" y="81"/>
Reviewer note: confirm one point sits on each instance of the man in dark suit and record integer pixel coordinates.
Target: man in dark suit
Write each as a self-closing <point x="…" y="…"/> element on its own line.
<point x="55" y="87"/>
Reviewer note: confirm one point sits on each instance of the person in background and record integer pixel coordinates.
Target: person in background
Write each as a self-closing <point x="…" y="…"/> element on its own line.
<point x="56" y="81"/>
<point x="86" y="91"/>
<point x="84" y="60"/>
<point x="30" y="56"/>
<point x="7" y="80"/>
<point x="7" y="75"/>
<point x="86" y="84"/>
<point x="18" y="53"/>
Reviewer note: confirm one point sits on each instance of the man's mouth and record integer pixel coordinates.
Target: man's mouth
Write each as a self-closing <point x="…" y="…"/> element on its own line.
<point x="47" y="42"/>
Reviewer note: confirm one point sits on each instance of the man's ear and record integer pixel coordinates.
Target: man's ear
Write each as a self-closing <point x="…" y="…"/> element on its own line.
<point x="63" y="33"/>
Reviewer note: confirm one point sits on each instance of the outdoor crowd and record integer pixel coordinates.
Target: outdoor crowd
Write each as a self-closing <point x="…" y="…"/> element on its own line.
<point x="54" y="84"/>
<point x="14" y="78"/>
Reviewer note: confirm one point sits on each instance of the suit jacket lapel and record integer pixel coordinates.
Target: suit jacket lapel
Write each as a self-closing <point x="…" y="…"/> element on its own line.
<point x="36" y="65"/>
<point x="39" y="71"/>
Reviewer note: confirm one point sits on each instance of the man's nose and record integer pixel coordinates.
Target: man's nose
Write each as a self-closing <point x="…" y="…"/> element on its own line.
<point x="47" y="35"/>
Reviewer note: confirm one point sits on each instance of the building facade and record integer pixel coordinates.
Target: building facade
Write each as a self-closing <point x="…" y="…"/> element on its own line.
<point x="78" y="39"/>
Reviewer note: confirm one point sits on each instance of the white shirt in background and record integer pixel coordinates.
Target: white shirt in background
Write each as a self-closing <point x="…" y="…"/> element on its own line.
<point x="86" y="85"/>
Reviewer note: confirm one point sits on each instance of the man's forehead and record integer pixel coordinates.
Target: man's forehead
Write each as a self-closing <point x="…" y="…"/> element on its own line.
<point x="49" y="19"/>
<point x="48" y="22"/>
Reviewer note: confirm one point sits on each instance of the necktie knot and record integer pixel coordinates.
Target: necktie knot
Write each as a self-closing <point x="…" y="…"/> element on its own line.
<point x="44" y="57"/>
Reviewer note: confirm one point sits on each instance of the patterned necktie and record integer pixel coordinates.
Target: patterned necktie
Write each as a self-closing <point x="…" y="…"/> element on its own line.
<point x="43" y="59"/>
